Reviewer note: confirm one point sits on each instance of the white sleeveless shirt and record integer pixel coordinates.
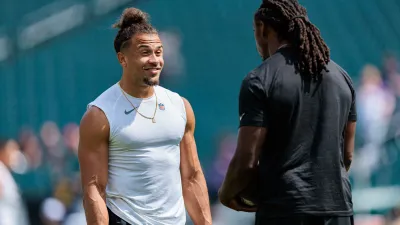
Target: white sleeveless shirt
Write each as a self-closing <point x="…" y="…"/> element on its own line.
<point x="144" y="181"/>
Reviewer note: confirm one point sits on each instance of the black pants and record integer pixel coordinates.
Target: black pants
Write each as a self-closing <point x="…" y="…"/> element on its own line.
<point x="115" y="220"/>
<point x="307" y="220"/>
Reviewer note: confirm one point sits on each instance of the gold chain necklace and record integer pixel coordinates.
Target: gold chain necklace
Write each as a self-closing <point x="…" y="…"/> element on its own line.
<point x="136" y="108"/>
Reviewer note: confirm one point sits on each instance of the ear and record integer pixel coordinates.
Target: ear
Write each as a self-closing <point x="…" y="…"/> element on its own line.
<point x="122" y="59"/>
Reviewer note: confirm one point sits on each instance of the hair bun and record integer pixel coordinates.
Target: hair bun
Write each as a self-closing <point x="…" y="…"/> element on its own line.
<point x="131" y="16"/>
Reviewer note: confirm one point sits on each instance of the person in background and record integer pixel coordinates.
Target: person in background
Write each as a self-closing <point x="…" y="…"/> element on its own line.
<point x="376" y="104"/>
<point x="36" y="184"/>
<point x="12" y="208"/>
<point x="215" y="176"/>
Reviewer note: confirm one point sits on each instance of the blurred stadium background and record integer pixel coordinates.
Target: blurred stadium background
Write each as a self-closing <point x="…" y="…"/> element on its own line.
<point x="57" y="55"/>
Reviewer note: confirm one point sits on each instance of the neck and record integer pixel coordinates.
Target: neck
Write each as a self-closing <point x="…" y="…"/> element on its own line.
<point x="134" y="89"/>
<point x="275" y="45"/>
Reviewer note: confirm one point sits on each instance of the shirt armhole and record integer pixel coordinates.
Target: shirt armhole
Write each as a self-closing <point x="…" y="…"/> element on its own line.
<point x="107" y="112"/>
<point x="177" y="100"/>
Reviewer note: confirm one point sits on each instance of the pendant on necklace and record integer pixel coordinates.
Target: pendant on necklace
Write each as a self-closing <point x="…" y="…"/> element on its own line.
<point x="153" y="120"/>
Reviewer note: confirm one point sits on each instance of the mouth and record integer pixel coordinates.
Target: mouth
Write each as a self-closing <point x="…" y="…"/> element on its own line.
<point x="153" y="70"/>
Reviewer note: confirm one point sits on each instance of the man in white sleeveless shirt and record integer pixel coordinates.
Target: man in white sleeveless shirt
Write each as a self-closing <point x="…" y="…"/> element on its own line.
<point x="138" y="157"/>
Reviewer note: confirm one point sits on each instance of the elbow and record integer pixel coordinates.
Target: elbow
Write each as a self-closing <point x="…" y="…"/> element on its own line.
<point x="94" y="190"/>
<point x="348" y="156"/>
<point x="347" y="163"/>
<point x="191" y="177"/>
<point x="90" y="191"/>
<point x="348" y="159"/>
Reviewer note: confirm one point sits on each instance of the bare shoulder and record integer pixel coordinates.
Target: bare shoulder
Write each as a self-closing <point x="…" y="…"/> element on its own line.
<point x="190" y="123"/>
<point x="94" y="124"/>
<point x="187" y="104"/>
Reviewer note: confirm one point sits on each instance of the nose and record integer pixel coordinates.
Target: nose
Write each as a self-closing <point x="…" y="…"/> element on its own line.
<point x="153" y="59"/>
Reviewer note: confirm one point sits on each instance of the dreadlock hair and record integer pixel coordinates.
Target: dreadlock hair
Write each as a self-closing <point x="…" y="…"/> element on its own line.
<point x="132" y="21"/>
<point x="289" y="19"/>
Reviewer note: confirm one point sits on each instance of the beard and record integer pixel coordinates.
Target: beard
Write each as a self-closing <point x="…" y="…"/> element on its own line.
<point x="150" y="82"/>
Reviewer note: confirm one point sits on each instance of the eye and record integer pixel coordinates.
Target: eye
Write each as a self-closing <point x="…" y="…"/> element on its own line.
<point x="146" y="52"/>
<point x="159" y="52"/>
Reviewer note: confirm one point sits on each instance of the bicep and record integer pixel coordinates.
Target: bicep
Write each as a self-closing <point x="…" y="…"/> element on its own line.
<point x="93" y="148"/>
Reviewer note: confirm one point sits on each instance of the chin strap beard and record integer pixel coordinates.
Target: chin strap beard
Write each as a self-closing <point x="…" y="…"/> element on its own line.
<point x="150" y="83"/>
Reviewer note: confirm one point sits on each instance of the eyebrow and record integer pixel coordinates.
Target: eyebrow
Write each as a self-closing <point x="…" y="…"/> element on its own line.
<point x="148" y="46"/>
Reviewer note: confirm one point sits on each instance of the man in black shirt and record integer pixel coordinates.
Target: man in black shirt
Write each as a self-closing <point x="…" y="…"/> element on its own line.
<point x="297" y="125"/>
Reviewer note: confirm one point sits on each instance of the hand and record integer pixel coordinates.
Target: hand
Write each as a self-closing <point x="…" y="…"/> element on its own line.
<point x="235" y="204"/>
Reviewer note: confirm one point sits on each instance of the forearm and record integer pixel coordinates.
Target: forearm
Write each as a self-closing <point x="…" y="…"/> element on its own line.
<point x="95" y="206"/>
<point x="237" y="178"/>
<point x="196" y="199"/>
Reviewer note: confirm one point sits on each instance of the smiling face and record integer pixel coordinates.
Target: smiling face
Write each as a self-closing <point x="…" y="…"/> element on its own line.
<point x="143" y="59"/>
